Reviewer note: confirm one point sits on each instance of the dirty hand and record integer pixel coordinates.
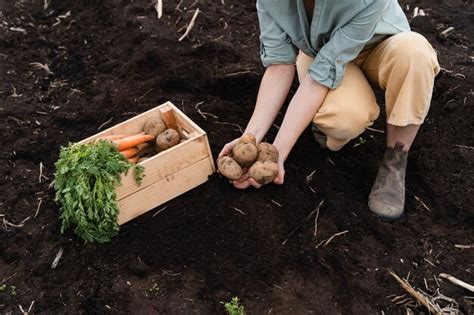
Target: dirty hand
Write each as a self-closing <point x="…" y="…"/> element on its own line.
<point x="246" y="181"/>
<point x="227" y="149"/>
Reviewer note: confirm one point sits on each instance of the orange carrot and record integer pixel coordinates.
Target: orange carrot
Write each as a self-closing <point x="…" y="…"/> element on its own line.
<point x="128" y="153"/>
<point x="135" y="150"/>
<point x="133" y="159"/>
<point x="131" y="141"/>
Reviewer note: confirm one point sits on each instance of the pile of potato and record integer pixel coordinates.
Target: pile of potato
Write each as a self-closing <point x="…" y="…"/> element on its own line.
<point x="262" y="160"/>
<point x="165" y="137"/>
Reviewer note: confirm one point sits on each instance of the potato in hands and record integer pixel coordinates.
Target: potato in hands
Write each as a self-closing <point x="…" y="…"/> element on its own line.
<point x="261" y="160"/>
<point x="229" y="168"/>
<point x="245" y="151"/>
<point x="264" y="172"/>
<point x="267" y="152"/>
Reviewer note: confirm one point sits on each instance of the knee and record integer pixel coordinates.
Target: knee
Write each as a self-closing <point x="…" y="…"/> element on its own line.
<point x="345" y="123"/>
<point x="412" y="50"/>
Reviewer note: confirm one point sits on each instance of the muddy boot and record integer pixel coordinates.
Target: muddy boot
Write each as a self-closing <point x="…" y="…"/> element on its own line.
<point x="320" y="137"/>
<point x="387" y="198"/>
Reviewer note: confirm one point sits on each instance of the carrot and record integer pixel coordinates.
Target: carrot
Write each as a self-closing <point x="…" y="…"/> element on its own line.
<point x="131" y="141"/>
<point x="128" y="153"/>
<point x="133" y="159"/>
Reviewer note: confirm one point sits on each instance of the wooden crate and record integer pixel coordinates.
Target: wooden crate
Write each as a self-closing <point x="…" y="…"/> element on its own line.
<point x="168" y="174"/>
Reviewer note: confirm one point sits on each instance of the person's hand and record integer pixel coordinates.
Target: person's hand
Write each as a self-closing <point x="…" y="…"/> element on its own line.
<point x="227" y="149"/>
<point x="246" y="181"/>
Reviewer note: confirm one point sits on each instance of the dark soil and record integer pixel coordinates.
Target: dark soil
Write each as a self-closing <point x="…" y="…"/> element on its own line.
<point x="112" y="59"/>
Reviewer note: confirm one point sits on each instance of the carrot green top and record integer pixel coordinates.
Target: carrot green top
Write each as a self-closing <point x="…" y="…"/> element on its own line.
<point x="335" y="35"/>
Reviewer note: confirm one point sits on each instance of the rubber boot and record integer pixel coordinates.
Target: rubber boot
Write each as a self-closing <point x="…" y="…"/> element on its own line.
<point x="387" y="198"/>
<point x="319" y="136"/>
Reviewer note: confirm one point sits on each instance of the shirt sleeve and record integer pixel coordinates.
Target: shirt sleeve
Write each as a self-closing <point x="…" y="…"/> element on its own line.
<point x="275" y="45"/>
<point x="347" y="42"/>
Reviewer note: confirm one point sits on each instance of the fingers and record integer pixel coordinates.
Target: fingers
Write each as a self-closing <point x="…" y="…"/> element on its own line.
<point x="225" y="151"/>
<point x="227" y="148"/>
<point x="242" y="185"/>
<point x="244" y="177"/>
<point x="279" y="180"/>
<point x="246" y="184"/>
<point x="253" y="183"/>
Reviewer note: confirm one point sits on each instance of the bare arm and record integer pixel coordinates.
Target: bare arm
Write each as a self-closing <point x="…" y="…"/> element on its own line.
<point x="303" y="106"/>
<point x="274" y="88"/>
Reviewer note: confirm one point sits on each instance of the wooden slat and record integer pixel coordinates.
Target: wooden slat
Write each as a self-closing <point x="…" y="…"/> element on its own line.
<point x="135" y="125"/>
<point x="168" y="117"/>
<point x="165" y="164"/>
<point x="209" y="152"/>
<point x="187" y="123"/>
<point x="164" y="190"/>
<point x="181" y="117"/>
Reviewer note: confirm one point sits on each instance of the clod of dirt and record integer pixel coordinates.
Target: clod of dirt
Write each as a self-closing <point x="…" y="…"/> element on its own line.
<point x="138" y="268"/>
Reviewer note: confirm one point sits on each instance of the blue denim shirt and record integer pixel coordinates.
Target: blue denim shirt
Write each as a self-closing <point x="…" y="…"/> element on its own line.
<point x="338" y="31"/>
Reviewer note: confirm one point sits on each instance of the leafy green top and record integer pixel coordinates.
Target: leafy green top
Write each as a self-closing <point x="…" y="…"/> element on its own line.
<point x="234" y="308"/>
<point x="85" y="180"/>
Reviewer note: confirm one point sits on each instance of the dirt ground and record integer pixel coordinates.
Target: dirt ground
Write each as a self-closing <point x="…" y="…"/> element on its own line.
<point x="109" y="60"/>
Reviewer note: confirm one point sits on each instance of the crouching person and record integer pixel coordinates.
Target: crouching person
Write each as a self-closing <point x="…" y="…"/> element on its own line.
<point x="338" y="47"/>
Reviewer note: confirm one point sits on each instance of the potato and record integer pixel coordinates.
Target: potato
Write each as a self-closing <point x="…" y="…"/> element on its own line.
<point x="167" y="139"/>
<point x="264" y="172"/>
<point x="229" y="168"/>
<point x="248" y="138"/>
<point x="154" y="126"/>
<point x="244" y="154"/>
<point x="267" y="152"/>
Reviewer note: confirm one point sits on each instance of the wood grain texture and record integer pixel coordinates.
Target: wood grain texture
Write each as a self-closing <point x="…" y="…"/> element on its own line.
<point x="163" y="190"/>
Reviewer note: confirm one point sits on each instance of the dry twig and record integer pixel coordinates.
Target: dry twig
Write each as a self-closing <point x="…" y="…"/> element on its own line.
<point x="190" y="26"/>
<point x="327" y="241"/>
<point x="105" y="123"/>
<point x="159" y="211"/>
<point x="422" y="203"/>
<point x="159" y="8"/>
<point x="233" y="74"/>
<point x="278" y="204"/>
<point x="420" y="297"/>
<point x="375" y="130"/>
<point x="41" y="66"/>
<point x="41" y="175"/>
<point x="20" y="225"/>
<point x="456" y="281"/>
<point x="14" y="94"/>
<point x="57" y="258"/>
<point x="29" y="308"/>
<point x="238" y="210"/>
<point x="447" y="31"/>
<point x="203" y="114"/>
<point x="463" y="246"/>
<point x="230" y="124"/>
<point x="38" y="208"/>
<point x="316" y="218"/>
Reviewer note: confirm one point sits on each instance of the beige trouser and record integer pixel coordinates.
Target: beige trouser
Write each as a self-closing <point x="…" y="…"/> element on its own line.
<point x="404" y="65"/>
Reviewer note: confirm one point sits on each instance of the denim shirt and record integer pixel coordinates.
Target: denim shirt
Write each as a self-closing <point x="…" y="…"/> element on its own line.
<point x="337" y="33"/>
